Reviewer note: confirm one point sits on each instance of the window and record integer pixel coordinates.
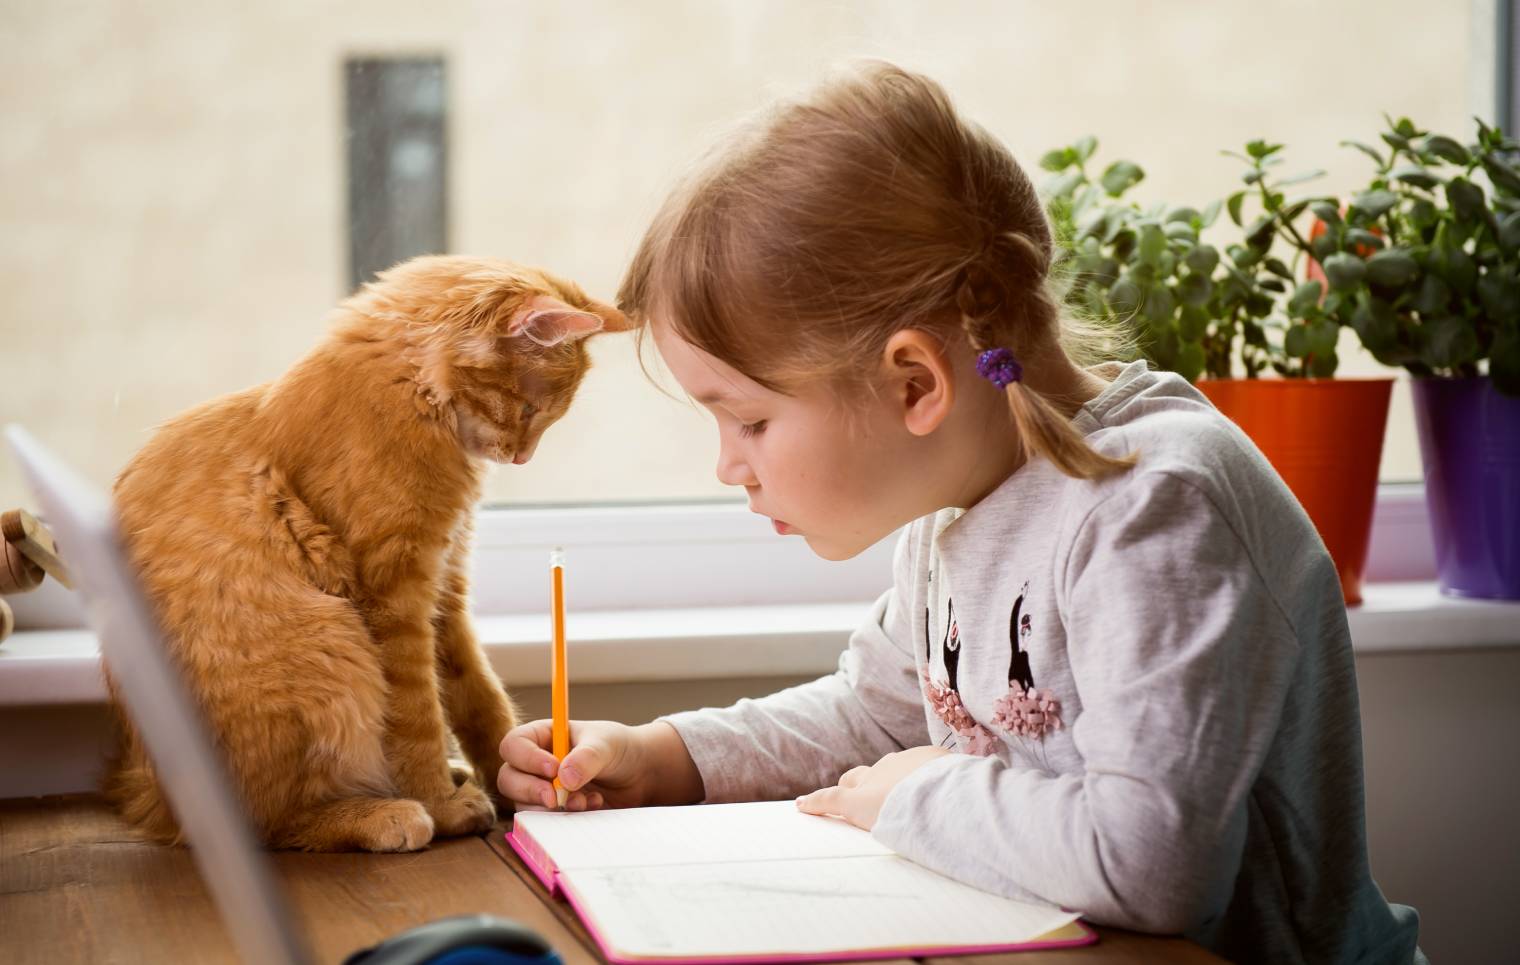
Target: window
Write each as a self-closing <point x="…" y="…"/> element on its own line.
<point x="397" y="162"/>
<point x="184" y="230"/>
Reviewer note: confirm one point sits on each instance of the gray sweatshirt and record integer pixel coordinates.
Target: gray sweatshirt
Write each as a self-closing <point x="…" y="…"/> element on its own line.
<point x="1149" y="681"/>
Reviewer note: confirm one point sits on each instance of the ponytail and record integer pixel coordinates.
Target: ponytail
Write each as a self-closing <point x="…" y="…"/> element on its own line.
<point x="1002" y="289"/>
<point x="1046" y="432"/>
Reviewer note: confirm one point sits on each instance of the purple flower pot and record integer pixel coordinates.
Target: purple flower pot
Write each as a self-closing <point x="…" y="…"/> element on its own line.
<point x="1470" y="444"/>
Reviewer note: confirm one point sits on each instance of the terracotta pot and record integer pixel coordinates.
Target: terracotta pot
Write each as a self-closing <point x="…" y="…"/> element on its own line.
<point x="1325" y="438"/>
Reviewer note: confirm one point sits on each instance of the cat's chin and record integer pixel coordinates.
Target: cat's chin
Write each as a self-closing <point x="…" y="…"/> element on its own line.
<point x="480" y="442"/>
<point x="489" y="453"/>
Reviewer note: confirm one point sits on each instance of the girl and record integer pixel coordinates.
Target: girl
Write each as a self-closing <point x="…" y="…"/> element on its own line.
<point x="1113" y="671"/>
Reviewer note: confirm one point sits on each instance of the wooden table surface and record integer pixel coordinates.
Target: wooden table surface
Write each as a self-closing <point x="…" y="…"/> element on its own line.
<point x="77" y="886"/>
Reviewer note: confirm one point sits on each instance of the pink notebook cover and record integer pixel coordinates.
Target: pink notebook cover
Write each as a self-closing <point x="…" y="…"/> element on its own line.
<point x="543" y="869"/>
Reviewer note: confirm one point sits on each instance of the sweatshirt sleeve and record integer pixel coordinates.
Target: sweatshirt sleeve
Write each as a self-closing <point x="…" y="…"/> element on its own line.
<point x="803" y="738"/>
<point x="1181" y="660"/>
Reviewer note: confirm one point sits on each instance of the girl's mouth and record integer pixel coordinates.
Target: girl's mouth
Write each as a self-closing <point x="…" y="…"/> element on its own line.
<point x="781" y="528"/>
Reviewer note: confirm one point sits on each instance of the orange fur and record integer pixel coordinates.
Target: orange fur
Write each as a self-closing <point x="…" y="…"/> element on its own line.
<point x="305" y="546"/>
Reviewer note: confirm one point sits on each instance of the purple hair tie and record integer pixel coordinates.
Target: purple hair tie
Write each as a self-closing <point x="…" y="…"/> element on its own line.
<point x="999" y="367"/>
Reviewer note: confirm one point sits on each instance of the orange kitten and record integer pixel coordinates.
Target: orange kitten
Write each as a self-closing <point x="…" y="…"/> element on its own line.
<point x="305" y="545"/>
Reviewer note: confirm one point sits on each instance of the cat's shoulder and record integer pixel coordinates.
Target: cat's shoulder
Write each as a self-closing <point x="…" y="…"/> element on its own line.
<point x="195" y="439"/>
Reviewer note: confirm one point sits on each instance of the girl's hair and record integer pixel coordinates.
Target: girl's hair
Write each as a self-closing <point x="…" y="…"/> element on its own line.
<point x="827" y="224"/>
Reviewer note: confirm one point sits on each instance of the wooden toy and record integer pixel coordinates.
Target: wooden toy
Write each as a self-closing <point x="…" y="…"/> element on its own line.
<point x="30" y="555"/>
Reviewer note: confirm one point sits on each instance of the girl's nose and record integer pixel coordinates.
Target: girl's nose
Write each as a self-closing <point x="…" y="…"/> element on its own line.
<point x="733" y="471"/>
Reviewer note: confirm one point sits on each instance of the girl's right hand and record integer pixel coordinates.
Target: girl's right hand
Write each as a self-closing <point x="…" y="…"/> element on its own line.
<point x="609" y="765"/>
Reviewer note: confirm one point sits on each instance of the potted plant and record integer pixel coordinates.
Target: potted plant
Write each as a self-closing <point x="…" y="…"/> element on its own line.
<point x="1200" y="311"/>
<point x="1323" y="434"/>
<point x="1147" y="267"/>
<point x="1424" y="265"/>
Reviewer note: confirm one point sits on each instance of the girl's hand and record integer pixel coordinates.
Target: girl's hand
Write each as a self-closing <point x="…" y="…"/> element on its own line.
<point x="609" y="765"/>
<point x="861" y="790"/>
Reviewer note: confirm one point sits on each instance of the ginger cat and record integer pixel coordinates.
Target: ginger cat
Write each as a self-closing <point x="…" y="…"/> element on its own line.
<point x="305" y="543"/>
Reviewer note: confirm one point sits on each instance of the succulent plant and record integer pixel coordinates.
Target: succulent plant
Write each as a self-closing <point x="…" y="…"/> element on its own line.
<point x="1189" y="305"/>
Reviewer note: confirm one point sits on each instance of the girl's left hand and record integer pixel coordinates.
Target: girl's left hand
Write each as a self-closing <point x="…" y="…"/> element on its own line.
<point x="861" y="790"/>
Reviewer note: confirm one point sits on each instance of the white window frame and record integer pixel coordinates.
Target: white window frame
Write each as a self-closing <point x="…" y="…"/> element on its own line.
<point x="674" y="556"/>
<point x="702" y="591"/>
<point x="623" y="558"/>
<point x="635" y="557"/>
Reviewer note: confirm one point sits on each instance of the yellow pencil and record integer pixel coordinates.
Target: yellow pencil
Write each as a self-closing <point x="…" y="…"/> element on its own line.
<point x="559" y="690"/>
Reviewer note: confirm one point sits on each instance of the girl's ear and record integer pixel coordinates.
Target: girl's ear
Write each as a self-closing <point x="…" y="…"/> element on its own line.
<point x="922" y="378"/>
<point x="545" y="320"/>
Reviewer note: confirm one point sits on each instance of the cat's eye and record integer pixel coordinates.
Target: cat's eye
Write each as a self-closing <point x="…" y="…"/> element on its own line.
<point x="751" y="429"/>
<point x="528" y="410"/>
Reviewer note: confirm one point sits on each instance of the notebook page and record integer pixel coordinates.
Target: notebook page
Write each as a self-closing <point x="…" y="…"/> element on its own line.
<point x="632" y="837"/>
<point x="798" y="907"/>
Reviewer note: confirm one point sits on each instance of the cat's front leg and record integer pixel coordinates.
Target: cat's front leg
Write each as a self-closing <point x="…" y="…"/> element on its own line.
<point x="478" y="706"/>
<point x="416" y="740"/>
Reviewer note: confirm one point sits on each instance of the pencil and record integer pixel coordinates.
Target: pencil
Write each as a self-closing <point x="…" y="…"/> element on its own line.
<point x="559" y="691"/>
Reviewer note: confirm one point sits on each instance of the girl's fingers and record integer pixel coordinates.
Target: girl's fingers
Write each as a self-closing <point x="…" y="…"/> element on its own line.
<point x="530" y="793"/>
<point x="588" y="798"/>
<point x="529" y="768"/>
<point x="826" y="800"/>
<point x="584" y="762"/>
<point x="520" y="788"/>
<point x="854" y="776"/>
<point x="526" y="748"/>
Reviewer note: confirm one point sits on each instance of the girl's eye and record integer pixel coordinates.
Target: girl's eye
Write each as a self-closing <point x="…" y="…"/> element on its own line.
<point x="752" y="429"/>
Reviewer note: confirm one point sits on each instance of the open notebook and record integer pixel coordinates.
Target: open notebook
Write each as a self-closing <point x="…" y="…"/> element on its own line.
<point x="764" y="882"/>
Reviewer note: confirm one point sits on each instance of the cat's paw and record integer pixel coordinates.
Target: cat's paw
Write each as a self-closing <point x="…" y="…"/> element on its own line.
<point x="460" y="771"/>
<point x="466" y="811"/>
<point x="396" y="826"/>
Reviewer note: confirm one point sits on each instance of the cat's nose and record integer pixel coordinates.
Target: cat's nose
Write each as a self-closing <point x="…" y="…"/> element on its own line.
<point x="524" y="452"/>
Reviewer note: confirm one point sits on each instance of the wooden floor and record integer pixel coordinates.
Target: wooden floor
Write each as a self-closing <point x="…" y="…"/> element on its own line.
<point x="76" y="886"/>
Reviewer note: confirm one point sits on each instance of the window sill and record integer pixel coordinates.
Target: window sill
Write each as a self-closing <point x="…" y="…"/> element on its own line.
<point x="39" y="667"/>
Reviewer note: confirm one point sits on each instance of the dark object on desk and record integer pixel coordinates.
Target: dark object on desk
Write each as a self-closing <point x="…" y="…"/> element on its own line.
<point x="462" y="940"/>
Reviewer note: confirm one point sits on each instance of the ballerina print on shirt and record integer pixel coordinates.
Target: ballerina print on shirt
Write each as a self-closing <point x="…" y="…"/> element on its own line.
<point x="945" y="698"/>
<point x="1024" y="711"/>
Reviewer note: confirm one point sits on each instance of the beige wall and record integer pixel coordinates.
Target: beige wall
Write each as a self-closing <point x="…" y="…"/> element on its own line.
<point x="172" y="174"/>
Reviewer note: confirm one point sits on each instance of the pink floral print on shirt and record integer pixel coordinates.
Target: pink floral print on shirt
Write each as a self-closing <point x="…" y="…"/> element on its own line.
<point x="947" y="706"/>
<point x="1027" y="712"/>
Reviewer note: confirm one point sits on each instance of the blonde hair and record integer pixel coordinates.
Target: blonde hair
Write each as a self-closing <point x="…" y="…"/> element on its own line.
<point x="829" y="223"/>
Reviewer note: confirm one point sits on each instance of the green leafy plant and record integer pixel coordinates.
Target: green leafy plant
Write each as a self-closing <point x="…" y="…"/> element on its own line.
<point x="1424" y="264"/>
<point x="1304" y="330"/>
<point x="1189" y="305"/>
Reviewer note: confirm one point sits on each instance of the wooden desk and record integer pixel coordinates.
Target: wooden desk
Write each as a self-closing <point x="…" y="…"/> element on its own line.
<point x="76" y="886"/>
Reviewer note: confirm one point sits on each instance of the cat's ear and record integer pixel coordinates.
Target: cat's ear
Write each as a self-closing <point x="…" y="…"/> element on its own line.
<point x="612" y="319"/>
<point x="548" y="321"/>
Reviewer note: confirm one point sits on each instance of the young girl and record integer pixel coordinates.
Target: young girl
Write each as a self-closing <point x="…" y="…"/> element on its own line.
<point x="1113" y="671"/>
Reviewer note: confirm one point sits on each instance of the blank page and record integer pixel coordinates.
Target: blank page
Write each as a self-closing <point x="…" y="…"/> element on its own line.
<point x="629" y="837"/>
<point x="798" y="907"/>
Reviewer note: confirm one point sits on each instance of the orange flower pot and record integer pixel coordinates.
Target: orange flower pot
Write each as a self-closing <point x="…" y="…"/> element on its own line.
<point x="1325" y="438"/>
